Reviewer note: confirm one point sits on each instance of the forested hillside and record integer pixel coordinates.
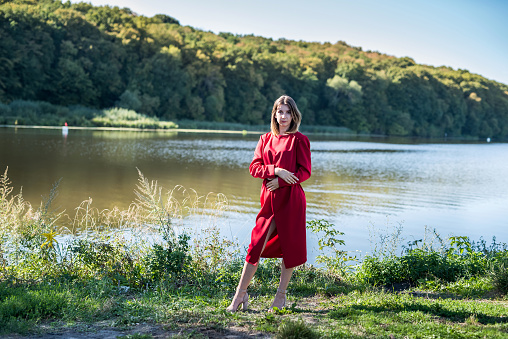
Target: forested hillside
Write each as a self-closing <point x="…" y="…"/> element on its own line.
<point x="100" y="57"/>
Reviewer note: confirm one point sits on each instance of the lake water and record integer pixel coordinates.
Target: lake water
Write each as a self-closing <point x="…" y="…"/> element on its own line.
<point x="359" y="185"/>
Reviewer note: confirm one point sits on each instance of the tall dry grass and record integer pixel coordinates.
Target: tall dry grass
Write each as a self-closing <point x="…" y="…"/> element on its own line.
<point x="156" y="216"/>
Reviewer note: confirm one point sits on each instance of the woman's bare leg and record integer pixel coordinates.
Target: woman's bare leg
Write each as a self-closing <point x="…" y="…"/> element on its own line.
<point x="285" y="276"/>
<point x="248" y="268"/>
<point x="280" y="297"/>
<point x="248" y="273"/>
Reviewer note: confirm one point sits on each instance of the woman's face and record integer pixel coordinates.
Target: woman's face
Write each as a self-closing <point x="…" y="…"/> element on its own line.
<point x="283" y="116"/>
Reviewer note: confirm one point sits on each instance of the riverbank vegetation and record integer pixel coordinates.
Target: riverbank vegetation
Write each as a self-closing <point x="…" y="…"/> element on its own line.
<point x="163" y="268"/>
<point x="70" y="54"/>
<point x="40" y="113"/>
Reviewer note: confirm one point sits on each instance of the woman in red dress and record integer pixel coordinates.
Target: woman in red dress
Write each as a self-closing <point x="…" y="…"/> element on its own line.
<point x="282" y="160"/>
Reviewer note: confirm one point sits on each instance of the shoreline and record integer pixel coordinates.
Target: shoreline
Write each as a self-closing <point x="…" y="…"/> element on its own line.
<point x="131" y="129"/>
<point x="182" y="130"/>
<point x="246" y="132"/>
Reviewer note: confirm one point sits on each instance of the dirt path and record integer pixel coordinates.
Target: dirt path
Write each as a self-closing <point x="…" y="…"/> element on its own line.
<point x="157" y="331"/>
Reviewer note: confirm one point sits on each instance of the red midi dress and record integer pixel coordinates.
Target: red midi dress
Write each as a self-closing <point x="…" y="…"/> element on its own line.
<point x="286" y="204"/>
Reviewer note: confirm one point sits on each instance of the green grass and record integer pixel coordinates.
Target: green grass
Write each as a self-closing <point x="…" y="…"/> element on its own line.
<point x="371" y="313"/>
<point x="375" y="314"/>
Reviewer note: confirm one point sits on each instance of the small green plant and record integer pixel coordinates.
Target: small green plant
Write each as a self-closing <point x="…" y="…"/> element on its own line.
<point x="23" y="305"/>
<point x="281" y="311"/>
<point x="328" y="241"/>
<point x="267" y="323"/>
<point x="290" y="329"/>
<point x="460" y="244"/>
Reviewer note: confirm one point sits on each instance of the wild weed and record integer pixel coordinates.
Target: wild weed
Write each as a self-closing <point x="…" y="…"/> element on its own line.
<point x="28" y="235"/>
<point x="386" y="241"/>
<point x="498" y="250"/>
<point x="338" y="261"/>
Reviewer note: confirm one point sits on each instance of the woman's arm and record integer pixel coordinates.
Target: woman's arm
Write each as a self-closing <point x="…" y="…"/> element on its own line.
<point x="257" y="167"/>
<point x="303" y="162"/>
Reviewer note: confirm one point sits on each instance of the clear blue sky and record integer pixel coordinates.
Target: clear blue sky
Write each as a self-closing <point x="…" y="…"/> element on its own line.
<point x="465" y="34"/>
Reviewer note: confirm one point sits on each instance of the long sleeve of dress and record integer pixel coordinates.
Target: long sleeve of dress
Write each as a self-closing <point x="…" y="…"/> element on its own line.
<point x="303" y="162"/>
<point x="257" y="168"/>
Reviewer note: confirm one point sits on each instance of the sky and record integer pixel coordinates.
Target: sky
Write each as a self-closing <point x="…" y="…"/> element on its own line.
<point x="465" y="34"/>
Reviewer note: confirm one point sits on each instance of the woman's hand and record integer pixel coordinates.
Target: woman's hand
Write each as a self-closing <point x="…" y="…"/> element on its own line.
<point x="272" y="184"/>
<point x="285" y="175"/>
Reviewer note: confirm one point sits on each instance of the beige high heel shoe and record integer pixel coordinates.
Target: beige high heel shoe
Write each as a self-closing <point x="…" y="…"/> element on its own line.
<point x="279" y="291"/>
<point x="244" y="302"/>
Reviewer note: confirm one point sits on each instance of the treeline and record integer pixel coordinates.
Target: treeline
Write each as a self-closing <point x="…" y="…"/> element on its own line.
<point x="77" y="54"/>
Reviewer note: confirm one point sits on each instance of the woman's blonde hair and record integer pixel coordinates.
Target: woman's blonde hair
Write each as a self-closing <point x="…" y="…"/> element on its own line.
<point x="296" y="116"/>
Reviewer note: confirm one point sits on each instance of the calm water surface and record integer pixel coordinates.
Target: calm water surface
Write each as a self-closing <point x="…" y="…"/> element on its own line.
<point x="359" y="185"/>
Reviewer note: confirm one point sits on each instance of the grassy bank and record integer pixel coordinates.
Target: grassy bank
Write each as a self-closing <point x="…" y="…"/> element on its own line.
<point x="141" y="273"/>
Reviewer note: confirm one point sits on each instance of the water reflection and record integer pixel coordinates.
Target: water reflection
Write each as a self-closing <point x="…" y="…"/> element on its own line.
<point x="458" y="188"/>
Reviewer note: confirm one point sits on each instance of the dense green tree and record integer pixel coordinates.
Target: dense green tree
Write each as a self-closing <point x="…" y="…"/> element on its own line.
<point x="69" y="54"/>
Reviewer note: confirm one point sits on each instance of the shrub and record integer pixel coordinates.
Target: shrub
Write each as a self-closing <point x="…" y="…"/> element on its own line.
<point x="500" y="280"/>
<point x="460" y="260"/>
<point x="418" y="264"/>
<point x="499" y="271"/>
<point x="105" y="260"/>
<point x="170" y="261"/>
<point x="121" y="117"/>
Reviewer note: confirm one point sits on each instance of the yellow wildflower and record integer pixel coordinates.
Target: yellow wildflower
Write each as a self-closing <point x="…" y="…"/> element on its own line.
<point x="50" y="239"/>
